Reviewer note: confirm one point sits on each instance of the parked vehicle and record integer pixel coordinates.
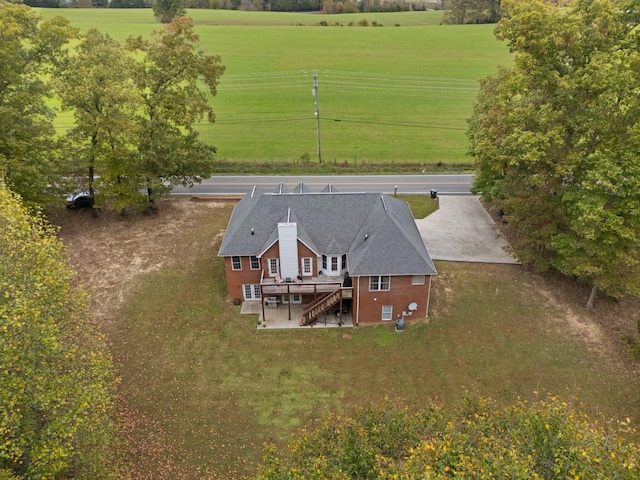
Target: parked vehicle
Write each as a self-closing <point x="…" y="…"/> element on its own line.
<point x="79" y="200"/>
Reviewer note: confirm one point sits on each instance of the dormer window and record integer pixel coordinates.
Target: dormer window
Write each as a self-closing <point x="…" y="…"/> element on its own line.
<point x="334" y="264"/>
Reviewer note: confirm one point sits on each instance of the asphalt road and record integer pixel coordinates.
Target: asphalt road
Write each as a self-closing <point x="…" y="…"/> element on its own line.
<point x="239" y="185"/>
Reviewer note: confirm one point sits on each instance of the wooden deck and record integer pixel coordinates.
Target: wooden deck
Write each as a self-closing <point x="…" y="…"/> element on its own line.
<point x="308" y="285"/>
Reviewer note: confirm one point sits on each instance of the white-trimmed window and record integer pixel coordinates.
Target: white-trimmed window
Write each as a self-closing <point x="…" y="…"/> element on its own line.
<point x="236" y="263"/>
<point x="344" y="261"/>
<point x="387" y="312"/>
<point x="251" y="291"/>
<point x="296" y="299"/>
<point x="274" y="267"/>
<point x="417" y="280"/>
<point x="379" y="282"/>
<point x="331" y="264"/>
<point x="334" y="264"/>
<point x="255" y="263"/>
<point x="307" y="266"/>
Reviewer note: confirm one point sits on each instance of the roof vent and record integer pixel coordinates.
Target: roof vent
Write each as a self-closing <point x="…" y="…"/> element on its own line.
<point x="366" y="235"/>
<point x="252" y="232"/>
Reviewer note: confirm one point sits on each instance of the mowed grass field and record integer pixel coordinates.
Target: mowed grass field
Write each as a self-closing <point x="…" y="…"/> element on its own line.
<point x="400" y="92"/>
<point x="203" y="387"/>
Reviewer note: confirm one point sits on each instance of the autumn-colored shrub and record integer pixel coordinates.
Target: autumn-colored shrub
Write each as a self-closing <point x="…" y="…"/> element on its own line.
<point x="546" y="439"/>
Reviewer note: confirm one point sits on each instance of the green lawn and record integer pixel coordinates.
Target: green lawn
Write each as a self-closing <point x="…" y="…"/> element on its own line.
<point x="386" y="94"/>
<point x="209" y="387"/>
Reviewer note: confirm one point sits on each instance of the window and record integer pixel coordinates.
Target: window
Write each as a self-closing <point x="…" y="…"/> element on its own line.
<point x="344" y="262"/>
<point x="307" y="266"/>
<point x="236" y="263"/>
<point x="387" y="312"/>
<point x="255" y="263"/>
<point x="251" y="292"/>
<point x="296" y="298"/>
<point x="274" y="267"/>
<point x="417" y="280"/>
<point x="379" y="282"/>
<point x="331" y="264"/>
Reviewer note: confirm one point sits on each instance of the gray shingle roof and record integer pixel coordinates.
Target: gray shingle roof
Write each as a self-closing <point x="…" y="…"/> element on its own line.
<point x="377" y="232"/>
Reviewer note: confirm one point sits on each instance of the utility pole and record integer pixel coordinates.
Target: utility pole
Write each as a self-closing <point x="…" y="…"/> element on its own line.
<point x="315" y="94"/>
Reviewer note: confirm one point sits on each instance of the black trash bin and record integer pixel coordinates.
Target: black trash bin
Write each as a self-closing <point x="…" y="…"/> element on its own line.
<point x="434" y="193"/>
<point x="400" y="324"/>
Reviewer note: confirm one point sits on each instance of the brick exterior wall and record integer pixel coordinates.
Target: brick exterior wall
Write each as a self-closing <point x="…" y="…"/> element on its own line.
<point x="400" y="294"/>
<point x="237" y="278"/>
<point x="367" y="305"/>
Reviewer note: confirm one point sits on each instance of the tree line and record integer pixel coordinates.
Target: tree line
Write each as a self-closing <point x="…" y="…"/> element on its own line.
<point x="348" y="6"/>
<point x="132" y="138"/>
<point x="556" y="140"/>
<point x="546" y="439"/>
<point x="134" y="107"/>
<point x="57" y="383"/>
<point x="460" y="12"/>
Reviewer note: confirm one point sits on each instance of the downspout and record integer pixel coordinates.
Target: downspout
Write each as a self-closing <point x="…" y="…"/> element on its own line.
<point x="264" y="319"/>
<point x="358" y="304"/>
<point x="428" y="297"/>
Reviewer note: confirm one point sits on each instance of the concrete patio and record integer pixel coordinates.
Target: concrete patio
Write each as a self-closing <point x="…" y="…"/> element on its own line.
<point x="278" y="318"/>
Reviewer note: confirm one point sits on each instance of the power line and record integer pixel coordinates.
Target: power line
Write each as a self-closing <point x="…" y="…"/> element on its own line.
<point x="399" y="124"/>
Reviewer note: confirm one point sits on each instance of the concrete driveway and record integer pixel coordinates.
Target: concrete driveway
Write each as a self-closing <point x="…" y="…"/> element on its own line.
<point x="461" y="230"/>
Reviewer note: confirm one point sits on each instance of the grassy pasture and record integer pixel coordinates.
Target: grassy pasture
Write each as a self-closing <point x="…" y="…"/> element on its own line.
<point x="209" y="387"/>
<point x="386" y="94"/>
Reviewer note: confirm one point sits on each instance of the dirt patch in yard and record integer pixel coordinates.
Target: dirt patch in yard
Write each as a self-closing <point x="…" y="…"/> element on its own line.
<point x="112" y="252"/>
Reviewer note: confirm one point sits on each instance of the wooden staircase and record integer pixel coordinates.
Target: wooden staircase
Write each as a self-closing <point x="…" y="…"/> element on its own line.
<point x="319" y="306"/>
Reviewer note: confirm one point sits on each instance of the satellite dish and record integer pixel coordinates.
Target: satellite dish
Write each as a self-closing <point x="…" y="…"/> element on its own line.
<point x="413" y="306"/>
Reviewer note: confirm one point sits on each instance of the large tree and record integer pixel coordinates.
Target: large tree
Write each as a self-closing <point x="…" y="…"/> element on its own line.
<point x="460" y="12"/>
<point x="98" y="86"/>
<point x="167" y="10"/>
<point x="556" y="139"/>
<point x="546" y="439"/>
<point x="56" y="376"/>
<point x="174" y="80"/>
<point x="30" y="51"/>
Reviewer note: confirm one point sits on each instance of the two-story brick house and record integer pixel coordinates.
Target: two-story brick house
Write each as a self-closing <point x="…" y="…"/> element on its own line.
<point x="356" y="252"/>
